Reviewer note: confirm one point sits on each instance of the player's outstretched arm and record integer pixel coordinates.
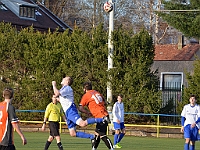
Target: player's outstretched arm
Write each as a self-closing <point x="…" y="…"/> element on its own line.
<point x="16" y="127"/>
<point x="55" y="90"/>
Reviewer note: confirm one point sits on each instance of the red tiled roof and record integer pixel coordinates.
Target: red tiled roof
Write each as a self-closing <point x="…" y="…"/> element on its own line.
<point x="171" y="52"/>
<point x="46" y="21"/>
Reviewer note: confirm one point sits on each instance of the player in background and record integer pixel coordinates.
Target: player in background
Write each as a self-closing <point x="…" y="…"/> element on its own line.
<point x="96" y="105"/>
<point x="118" y="121"/>
<point x="8" y="122"/>
<point x="53" y="113"/>
<point x="190" y="118"/>
<point x="66" y="98"/>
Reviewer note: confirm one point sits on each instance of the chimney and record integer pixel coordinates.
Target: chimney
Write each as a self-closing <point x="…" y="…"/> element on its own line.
<point x="180" y="41"/>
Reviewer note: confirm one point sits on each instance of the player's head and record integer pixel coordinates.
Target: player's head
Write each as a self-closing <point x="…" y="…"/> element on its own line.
<point x="8" y="93"/>
<point x="119" y="97"/>
<point x="192" y="99"/>
<point x="67" y="81"/>
<point x="54" y="99"/>
<point x="87" y="86"/>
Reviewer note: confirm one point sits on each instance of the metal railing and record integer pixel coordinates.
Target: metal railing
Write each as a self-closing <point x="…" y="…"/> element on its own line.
<point x="157" y="124"/>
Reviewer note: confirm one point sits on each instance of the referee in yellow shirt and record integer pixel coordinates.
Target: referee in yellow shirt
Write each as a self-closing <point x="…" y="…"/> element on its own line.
<point x="53" y="113"/>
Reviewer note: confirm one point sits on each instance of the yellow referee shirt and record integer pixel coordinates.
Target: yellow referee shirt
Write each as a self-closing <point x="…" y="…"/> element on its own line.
<point x="54" y="112"/>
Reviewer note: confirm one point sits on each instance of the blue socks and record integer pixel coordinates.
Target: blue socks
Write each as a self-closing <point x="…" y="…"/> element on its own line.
<point x="84" y="135"/>
<point x="94" y="120"/>
<point x="191" y="147"/>
<point x="121" y="135"/>
<point x="186" y="146"/>
<point x="116" y="139"/>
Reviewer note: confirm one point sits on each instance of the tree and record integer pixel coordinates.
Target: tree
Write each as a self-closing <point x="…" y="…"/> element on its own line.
<point x="131" y="75"/>
<point x="193" y="85"/>
<point x="185" y="17"/>
<point x="31" y="60"/>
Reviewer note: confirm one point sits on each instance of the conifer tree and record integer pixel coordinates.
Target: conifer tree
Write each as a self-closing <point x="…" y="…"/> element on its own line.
<point x="186" y="18"/>
<point x="193" y="86"/>
<point x="30" y="60"/>
<point x="132" y="76"/>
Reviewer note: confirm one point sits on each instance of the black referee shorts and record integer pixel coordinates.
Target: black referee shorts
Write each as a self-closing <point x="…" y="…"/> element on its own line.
<point x="54" y="128"/>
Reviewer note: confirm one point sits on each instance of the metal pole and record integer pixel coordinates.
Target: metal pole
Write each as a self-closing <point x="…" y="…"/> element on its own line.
<point x="110" y="59"/>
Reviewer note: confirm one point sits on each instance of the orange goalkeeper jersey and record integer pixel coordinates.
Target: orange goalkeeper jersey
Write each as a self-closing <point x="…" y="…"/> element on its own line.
<point x="95" y="102"/>
<point x="7" y="117"/>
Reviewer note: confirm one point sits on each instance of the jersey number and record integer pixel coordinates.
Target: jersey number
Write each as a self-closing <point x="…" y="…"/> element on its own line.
<point x="97" y="98"/>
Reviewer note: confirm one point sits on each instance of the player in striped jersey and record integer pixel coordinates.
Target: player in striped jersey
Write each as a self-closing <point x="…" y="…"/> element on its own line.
<point x="8" y="122"/>
<point x="96" y="104"/>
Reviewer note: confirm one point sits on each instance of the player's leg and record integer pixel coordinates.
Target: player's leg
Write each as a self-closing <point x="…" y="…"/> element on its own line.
<point x="59" y="144"/>
<point x="117" y="134"/>
<point x="55" y="132"/>
<point x="51" y="136"/>
<point x="187" y="137"/>
<point x="194" y="137"/>
<point x="107" y="142"/>
<point x="73" y="115"/>
<point x="97" y="141"/>
<point x="73" y="133"/>
<point x="101" y="129"/>
<point x="48" y="142"/>
<point x="192" y="145"/>
<point x="122" y="133"/>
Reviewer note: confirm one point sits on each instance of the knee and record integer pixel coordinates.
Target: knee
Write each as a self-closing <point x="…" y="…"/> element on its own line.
<point x="50" y="139"/>
<point x="58" y="139"/>
<point x="83" y="123"/>
<point x="123" y="131"/>
<point x="117" y="131"/>
<point x="73" y="134"/>
<point x="187" y="140"/>
<point x="192" y="142"/>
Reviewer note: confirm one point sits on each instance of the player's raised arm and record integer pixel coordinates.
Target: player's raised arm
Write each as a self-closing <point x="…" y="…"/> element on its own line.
<point x="55" y="90"/>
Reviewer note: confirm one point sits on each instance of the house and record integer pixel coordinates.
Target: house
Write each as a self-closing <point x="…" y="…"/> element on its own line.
<point x="26" y="13"/>
<point x="172" y="62"/>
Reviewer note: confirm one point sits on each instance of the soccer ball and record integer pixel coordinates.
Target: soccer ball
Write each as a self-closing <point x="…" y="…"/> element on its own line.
<point x="108" y="7"/>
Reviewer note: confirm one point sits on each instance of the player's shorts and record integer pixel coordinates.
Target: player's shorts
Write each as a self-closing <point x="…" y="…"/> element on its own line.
<point x="101" y="128"/>
<point x="54" y="128"/>
<point x="9" y="147"/>
<point x="118" y="126"/>
<point x="191" y="133"/>
<point x="72" y="116"/>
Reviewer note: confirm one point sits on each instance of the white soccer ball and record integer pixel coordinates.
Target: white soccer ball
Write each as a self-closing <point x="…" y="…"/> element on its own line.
<point x="108" y="7"/>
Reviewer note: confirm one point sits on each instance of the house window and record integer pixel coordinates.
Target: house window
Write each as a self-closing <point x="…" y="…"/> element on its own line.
<point x="171" y="87"/>
<point x="171" y="81"/>
<point x="27" y="11"/>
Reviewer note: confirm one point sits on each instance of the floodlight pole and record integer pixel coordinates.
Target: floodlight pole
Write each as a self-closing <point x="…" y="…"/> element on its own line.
<point x="110" y="59"/>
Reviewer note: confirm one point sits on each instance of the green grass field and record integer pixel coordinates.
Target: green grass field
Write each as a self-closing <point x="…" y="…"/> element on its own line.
<point x="37" y="140"/>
